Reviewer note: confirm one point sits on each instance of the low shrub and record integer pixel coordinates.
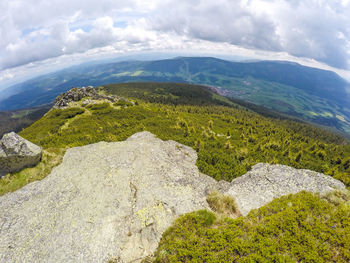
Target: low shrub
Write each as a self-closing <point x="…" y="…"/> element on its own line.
<point x="123" y="103"/>
<point x="294" y="228"/>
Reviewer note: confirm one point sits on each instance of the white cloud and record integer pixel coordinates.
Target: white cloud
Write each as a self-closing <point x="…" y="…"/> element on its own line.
<point x="300" y="28"/>
<point x="41" y="32"/>
<point x="6" y="76"/>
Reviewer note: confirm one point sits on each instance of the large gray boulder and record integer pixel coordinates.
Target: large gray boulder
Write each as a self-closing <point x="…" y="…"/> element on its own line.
<point x="17" y="153"/>
<point x="106" y="200"/>
<point x="266" y="182"/>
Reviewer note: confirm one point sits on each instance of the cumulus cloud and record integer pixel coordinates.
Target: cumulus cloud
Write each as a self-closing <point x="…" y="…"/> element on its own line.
<point x="220" y="21"/>
<point x="36" y="30"/>
<point x="317" y="29"/>
<point x="41" y="31"/>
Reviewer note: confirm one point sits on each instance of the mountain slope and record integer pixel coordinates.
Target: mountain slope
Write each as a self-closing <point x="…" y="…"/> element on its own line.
<point x="81" y="201"/>
<point x="229" y="139"/>
<point x="312" y="94"/>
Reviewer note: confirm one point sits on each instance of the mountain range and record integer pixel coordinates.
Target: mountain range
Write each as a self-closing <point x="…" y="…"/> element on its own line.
<point x="314" y="95"/>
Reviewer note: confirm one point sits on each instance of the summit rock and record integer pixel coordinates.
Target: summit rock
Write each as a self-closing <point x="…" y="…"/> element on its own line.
<point x="105" y="201"/>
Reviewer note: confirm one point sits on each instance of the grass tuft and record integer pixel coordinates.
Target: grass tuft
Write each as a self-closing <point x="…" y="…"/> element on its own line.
<point x="223" y="204"/>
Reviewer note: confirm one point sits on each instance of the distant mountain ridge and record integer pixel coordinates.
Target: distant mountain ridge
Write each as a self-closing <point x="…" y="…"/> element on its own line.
<point x="293" y="74"/>
<point x="312" y="94"/>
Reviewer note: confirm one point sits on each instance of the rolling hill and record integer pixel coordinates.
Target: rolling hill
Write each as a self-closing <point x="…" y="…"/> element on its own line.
<point x="311" y="94"/>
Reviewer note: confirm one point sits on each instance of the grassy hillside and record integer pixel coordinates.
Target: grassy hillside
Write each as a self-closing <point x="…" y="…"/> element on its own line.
<point x="312" y="94"/>
<point x="228" y="138"/>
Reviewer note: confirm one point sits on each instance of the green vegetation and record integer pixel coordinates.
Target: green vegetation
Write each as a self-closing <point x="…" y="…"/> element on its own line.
<point x="228" y="138"/>
<point x="123" y="103"/>
<point x="294" y="228"/>
<point x="168" y="93"/>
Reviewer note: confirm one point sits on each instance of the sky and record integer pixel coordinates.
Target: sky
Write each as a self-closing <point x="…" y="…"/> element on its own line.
<point x="37" y="36"/>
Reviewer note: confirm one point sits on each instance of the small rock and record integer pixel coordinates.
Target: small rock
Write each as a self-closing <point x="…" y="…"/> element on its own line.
<point x="87" y="102"/>
<point x="17" y="153"/>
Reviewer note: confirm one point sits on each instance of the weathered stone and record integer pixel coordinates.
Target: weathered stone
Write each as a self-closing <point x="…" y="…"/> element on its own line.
<point x="106" y="200"/>
<point x="17" y="153"/>
<point x="265" y="182"/>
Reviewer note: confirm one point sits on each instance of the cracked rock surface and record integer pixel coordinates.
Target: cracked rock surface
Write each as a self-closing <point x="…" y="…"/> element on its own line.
<point x="266" y="182"/>
<point x="106" y="200"/>
<point x="115" y="200"/>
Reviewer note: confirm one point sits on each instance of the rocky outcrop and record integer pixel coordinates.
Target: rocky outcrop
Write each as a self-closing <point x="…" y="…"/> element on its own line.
<point x="106" y="200"/>
<point x="114" y="200"/>
<point x="17" y="153"/>
<point x="76" y="94"/>
<point x="266" y="182"/>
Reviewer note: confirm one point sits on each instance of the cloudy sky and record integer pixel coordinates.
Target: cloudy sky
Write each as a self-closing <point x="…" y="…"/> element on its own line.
<point x="37" y="35"/>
